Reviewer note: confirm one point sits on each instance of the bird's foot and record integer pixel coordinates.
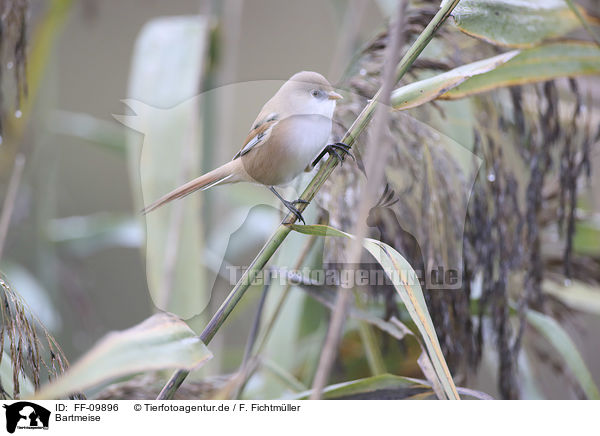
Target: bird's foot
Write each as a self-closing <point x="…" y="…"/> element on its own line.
<point x="291" y="205"/>
<point x="338" y="149"/>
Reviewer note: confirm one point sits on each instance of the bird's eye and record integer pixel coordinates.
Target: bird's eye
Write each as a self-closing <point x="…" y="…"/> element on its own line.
<point x="315" y="92"/>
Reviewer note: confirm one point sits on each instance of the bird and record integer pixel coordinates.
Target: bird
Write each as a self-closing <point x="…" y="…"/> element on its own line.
<point x="289" y="136"/>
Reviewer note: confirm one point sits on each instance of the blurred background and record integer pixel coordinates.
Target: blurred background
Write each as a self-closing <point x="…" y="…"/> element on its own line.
<point x="87" y="73"/>
<point x="75" y="247"/>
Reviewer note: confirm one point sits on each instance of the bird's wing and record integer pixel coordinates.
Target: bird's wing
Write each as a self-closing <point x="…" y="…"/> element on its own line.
<point x="258" y="135"/>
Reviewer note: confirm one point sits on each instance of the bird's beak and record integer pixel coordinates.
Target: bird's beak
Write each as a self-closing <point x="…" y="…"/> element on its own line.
<point x="334" y="96"/>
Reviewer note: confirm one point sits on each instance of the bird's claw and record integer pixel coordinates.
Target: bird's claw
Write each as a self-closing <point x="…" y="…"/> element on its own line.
<point x="340" y="150"/>
<point x="345" y="148"/>
<point x="290" y="204"/>
<point x="335" y="149"/>
<point x="292" y="208"/>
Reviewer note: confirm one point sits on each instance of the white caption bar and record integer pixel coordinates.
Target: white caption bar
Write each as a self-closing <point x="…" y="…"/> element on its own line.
<point x="299" y="417"/>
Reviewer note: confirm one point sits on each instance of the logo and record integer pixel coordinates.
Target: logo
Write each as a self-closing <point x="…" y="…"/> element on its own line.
<point x="26" y="415"/>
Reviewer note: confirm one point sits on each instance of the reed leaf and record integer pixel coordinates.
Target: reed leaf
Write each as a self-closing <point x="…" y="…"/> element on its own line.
<point x="407" y="285"/>
<point x="162" y="341"/>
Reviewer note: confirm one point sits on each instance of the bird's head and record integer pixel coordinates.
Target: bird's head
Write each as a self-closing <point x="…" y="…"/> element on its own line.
<point x="310" y="93"/>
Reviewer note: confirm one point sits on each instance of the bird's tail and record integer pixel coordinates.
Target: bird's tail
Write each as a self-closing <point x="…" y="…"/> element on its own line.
<point x="227" y="173"/>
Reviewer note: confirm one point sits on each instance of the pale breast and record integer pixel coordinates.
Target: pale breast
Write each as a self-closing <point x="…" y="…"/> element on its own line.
<point x="292" y="145"/>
